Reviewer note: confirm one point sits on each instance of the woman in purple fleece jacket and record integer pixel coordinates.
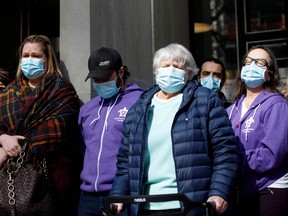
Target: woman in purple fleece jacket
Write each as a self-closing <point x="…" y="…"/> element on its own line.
<point x="101" y="121"/>
<point x="259" y="118"/>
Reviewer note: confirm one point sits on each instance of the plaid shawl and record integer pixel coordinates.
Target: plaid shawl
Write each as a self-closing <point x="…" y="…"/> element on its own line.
<point x="43" y="115"/>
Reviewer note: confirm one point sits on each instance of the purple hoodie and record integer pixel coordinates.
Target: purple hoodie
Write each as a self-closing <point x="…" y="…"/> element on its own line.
<point x="262" y="135"/>
<point x="101" y="122"/>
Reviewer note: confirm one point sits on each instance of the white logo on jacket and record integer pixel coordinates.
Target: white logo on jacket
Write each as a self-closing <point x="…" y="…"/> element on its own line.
<point x="248" y="124"/>
<point x="122" y="114"/>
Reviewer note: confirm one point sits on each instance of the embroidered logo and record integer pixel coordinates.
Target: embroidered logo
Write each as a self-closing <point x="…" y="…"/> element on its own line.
<point x="105" y="63"/>
<point x="122" y="114"/>
<point x="247" y="129"/>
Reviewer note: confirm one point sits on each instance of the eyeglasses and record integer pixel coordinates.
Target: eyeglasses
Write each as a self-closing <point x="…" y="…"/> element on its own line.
<point x="259" y="61"/>
<point x="214" y="73"/>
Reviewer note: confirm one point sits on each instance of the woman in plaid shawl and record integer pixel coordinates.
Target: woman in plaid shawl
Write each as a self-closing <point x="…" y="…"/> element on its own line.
<point x="41" y="107"/>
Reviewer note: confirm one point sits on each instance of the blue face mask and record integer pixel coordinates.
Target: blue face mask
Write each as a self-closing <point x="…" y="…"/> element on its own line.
<point x="253" y="75"/>
<point x="211" y="83"/>
<point x="32" y="67"/>
<point x="170" y="79"/>
<point x="107" y="89"/>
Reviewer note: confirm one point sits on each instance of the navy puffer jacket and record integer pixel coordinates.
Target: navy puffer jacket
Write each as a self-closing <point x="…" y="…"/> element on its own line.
<point x="204" y="147"/>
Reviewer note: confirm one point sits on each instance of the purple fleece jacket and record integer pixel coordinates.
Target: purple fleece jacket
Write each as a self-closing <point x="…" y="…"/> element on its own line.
<point x="262" y="135"/>
<point x="101" y="123"/>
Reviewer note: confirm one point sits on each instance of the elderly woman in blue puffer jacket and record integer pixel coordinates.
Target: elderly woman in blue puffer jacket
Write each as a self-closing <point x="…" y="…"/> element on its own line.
<point x="177" y="138"/>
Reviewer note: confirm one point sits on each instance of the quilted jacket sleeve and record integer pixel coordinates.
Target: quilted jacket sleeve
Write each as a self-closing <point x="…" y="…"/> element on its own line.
<point x="224" y="150"/>
<point x="120" y="185"/>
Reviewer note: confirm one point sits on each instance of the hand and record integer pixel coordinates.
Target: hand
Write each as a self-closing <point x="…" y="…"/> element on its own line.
<point x="115" y="208"/>
<point x="3" y="156"/>
<point x="11" y="145"/>
<point x="220" y="204"/>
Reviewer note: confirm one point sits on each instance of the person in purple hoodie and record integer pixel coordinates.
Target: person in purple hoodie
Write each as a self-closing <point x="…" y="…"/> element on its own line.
<point x="101" y="120"/>
<point x="259" y="118"/>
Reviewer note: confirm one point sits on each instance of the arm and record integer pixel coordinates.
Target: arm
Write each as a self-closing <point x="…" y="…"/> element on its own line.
<point x="120" y="185"/>
<point x="225" y="157"/>
<point x="273" y="149"/>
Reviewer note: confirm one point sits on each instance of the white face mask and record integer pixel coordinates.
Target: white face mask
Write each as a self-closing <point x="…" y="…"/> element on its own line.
<point x="170" y="79"/>
<point x="253" y="75"/>
<point x="211" y="83"/>
<point x="32" y="67"/>
<point x="107" y="89"/>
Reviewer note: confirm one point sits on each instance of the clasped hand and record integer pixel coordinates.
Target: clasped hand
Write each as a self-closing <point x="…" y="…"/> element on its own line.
<point x="9" y="146"/>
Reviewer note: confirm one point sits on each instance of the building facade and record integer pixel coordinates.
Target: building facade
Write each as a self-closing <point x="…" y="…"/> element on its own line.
<point x="223" y="29"/>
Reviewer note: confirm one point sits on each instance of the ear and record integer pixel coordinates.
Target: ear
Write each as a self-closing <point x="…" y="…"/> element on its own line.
<point x="268" y="74"/>
<point x="121" y="72"/>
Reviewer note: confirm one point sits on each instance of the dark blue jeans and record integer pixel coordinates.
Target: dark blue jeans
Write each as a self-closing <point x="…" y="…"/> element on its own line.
<point x="90" y="204"/>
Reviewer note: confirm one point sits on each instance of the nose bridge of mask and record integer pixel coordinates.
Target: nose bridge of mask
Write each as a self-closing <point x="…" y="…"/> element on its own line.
<point x="106" y="89"/>
<point x="253" y="75"/>
<point x="37" y="61"/>
<point x="170" y="79"/>
<point x="111" y="82"/>
<point x="255" y="69"/>
<point x="33" y="61"/>
<point x="171" y="72"/>
<point x="208" y="81"/>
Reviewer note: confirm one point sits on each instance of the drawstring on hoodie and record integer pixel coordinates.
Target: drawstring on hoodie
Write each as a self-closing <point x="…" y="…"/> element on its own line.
<point x="98" y="113"/>
<point x="109" y="110"/>
<point x="102" y="135"/>
<point x="232" y="109"/>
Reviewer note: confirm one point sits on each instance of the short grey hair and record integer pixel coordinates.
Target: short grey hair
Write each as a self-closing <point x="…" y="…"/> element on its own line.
<point x="175" y="52"/>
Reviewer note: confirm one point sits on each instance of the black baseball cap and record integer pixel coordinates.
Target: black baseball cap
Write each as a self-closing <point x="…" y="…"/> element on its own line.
<point x="103" y="62"/>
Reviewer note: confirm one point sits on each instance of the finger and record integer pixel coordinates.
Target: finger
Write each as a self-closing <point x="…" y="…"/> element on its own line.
<point x="18" y="149"/>
<point x="12" y="154"/>
<point x="20" y="137"/>
<point x="118" y="208"/>
<point x="221" y="209"/>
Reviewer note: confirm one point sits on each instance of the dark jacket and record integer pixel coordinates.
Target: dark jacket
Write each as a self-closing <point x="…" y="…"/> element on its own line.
<point x="224" y="100"/>
<point x="204" y="147"/>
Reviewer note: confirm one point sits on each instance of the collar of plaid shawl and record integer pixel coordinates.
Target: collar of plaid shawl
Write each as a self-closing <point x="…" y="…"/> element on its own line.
<point x="43" y="115"/>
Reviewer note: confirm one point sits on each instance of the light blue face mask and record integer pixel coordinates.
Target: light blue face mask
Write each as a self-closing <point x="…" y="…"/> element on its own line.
<point x="107" y="89"/>
<point x="170" y="79"/>
<point x="32" y="67"/>
<point x="253" y="75"/>
<point x="211" y="83"/>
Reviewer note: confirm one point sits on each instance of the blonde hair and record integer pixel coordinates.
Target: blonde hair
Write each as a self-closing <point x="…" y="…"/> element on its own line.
<point x="52" y="64"/>
<point x="285" y="89"/>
